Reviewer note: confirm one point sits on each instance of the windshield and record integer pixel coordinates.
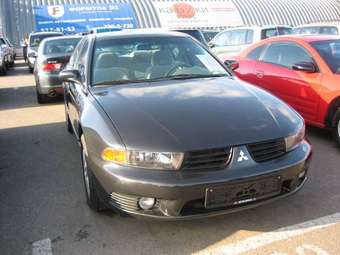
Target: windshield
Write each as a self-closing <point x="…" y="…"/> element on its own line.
<point x="194" y="33"/>
<point x="330" y="52"/>
<point x="271" y="32"/>
<point x="61" y="46"/>
<point x="324" y="30"/>
<point x="36" y="39"/>
<point x="151" y="59"/>
<point x="107" y="29"/>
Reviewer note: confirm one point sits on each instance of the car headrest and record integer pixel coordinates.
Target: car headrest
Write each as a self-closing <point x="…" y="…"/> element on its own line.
<point x="106" y="60"/>
<point x="162" y="57"/>
<point x="142" y="56"/>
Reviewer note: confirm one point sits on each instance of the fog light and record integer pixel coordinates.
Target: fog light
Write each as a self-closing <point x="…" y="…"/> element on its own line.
<point x="146" y="203"/>
<point x="302" y="174"/>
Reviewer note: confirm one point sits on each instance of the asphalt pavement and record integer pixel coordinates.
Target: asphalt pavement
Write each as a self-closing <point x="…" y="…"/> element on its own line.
<point x="43" y="208"/>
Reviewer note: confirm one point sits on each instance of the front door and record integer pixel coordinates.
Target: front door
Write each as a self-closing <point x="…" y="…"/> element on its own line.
<point x="299" y="89"/>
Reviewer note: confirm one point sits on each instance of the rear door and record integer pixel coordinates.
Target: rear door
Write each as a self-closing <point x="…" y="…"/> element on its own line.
<point x="274" y="73"/>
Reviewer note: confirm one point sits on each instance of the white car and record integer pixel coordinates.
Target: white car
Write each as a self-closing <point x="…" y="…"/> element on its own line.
<point x="318" y="29"/>
<point x="230" y="42"/>
<point x="6" y="55"/>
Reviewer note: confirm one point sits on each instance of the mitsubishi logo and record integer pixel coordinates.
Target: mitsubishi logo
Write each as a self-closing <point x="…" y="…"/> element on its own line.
<point x="242" y="157"/>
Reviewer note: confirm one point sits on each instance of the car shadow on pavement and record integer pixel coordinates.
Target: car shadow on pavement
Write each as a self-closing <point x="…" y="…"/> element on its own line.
<point x="41" y="193"/>
<point x="9" y="98"/>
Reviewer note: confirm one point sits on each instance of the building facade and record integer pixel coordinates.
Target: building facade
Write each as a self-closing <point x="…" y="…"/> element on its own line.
<point x="17" y="16"/>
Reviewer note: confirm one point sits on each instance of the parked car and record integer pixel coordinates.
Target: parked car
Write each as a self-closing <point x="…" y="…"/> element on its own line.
<point x="53" y="55"/>
<point x="97" y="30"/>
<point x="209" y="34"/>
<point x="7" y="52"/>
<point x="232" y="41"/>
<point x="3" y="62"/>
<point x="318" y="29"/>
<point x="185" y="140"/>
<point x="34" y="41"/>
<point x="12" y="49"/>
<point x="303" y="71"/>
<point x="195" y="33"/>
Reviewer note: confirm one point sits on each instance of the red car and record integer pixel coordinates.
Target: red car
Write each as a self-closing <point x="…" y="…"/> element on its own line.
<point x="303" y="71"/>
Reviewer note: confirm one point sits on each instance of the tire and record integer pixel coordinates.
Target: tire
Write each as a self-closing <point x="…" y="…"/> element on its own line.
<point x="30" y="69"/>
<point x="41" y="98"/>
<point x="336" y="127"/>
<point x="91" y="184"/>
<point x="3" y="70"/>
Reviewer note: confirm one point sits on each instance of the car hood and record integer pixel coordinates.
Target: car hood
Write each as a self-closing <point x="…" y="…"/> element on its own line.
<point x="195" y="114"/>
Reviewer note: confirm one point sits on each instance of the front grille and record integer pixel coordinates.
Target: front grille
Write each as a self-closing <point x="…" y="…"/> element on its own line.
<point x="207" y="159"/>
<point x="125" y="202"/>
<point x="268" y="150"/>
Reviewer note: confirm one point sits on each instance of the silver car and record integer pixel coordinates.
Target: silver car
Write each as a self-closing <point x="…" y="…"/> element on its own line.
<point x="6" y="56"/>
<point x="34" y="41"/>
<point x="53" y="54"/>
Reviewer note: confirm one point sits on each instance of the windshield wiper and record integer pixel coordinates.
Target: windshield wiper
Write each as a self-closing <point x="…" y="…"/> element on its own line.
<point x="172" y="77"/>
<point x="116" y="82"/>
<point x="193" y="76"/>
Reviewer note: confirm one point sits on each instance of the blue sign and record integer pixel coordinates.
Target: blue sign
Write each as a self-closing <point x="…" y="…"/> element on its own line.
<point x="77" y="18"/>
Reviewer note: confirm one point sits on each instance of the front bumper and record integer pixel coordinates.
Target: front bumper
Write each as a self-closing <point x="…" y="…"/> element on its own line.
<point x="181" y="194"/>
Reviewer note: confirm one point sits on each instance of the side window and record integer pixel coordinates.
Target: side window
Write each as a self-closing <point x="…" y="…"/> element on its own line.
<point x="235" y="37"/>
<point x="255" y="54"/>
<point x="286" y="54"/>
<point x="222" y="39"/>
<point x="250" y="36"/>
<point x="2" y="41"/>
<point x="267" y="33"/>
<point x="329" y="30"/>
<point x="238" y="37"/>
<point x="81" y="60"/>
<point x="75" y="54"/>
<point x="82" y="54"/>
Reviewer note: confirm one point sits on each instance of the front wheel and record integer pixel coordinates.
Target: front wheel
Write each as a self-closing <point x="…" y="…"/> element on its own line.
<point x="336" y="127"/>
<point x="90" y="184"/>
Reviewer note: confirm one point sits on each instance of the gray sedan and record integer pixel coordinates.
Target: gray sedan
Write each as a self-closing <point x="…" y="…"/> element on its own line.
<point x="53" y="54"/>
<point x="167" y="132"/>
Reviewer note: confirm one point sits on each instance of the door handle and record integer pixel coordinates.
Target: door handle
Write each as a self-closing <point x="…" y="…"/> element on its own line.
<point x="259" y="74"/>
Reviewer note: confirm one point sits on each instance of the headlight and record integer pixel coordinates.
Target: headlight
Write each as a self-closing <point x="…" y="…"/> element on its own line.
<point x="144" y="159"/>
<point x="294" y="140"/>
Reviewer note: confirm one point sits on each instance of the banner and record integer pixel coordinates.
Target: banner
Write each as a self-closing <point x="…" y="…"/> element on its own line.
<point x="202" y="13"/>
<point x="76" y="18"/>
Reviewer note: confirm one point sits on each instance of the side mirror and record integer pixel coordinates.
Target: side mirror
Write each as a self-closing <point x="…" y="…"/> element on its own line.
<point x="232" y="64"/>
<point x="211" y="44"/>
<point x="308" y="67"/>
<point x="69" y="75"/>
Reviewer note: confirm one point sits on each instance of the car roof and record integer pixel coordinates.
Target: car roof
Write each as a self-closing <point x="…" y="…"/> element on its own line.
<point x="304" y="38"/>
<point x="257" y="27"/>
<point x="323" y="24"/>
<point x="46" y="33"/>
<point x="139" y="33"/>
<point x="62" y="38"/>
